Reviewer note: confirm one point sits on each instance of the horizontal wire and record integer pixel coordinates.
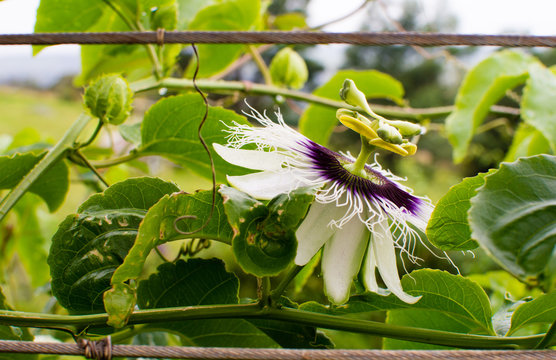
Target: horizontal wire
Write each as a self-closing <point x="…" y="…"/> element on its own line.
<point x="178" y="352"/>
<point x="279" y="37"/>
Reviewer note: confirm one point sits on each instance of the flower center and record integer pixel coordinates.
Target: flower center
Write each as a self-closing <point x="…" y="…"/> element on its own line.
<point x="364" y="182"/>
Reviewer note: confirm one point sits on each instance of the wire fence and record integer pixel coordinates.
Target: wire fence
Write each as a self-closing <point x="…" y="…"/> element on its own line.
<point x="175" y="352"/>
<point x="104" y="349"/>
<point x="279" y="37"/>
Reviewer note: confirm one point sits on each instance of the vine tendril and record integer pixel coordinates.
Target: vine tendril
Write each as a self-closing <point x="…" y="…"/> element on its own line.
<point x="202" y="140"/>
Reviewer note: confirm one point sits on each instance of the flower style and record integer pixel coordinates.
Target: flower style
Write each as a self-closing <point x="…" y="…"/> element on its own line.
<point x="353" y="214"/>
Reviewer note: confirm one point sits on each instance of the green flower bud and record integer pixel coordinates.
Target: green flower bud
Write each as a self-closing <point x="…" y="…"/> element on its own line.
<point x="389" y="134"/>
<point x="353" y="96"/>
<point x="406" y="128"/>
<point x="288" y="69"/>
<point x="109" y="98"/>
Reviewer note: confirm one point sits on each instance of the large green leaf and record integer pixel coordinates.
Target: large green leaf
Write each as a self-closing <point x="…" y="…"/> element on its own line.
<point x="200" y="282"/>
<point x="454" y="296"/>
<point x="85" y="251"/>
<point x="51" y="186"/>
<point x="170" y="129"/>
<point x="67" y="16"/>
<point x="90" y="245"/>
<point x="264" y="240"/>
<point x="161" y="225"/>
<point x="537" y="105"/>
<point x="318" y="121"/>
<point x="540" y="310"/>
<point x="513" y="215"/>
<point x="227" y="15"/>
<point x="448" y="228"/>
<point x="482" y="87"/>
<point x="527" y="141"/>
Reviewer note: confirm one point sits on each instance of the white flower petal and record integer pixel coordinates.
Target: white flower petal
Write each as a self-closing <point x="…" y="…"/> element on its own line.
<point x="369" y="270"/>
<point x="342" y="258"/>
<point x="385" y="256"/>
<point x="265" y="185"/>
<point x="315" y="230"/>
<point x="251" y="159"/>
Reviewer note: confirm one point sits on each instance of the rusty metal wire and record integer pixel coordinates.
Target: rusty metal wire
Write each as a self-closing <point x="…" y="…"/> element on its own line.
<point x="279" y="37"/>
<point x="175" y="352"/>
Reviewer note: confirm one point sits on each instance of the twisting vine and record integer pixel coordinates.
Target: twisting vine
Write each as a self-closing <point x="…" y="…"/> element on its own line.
<point x="205" y="146"/>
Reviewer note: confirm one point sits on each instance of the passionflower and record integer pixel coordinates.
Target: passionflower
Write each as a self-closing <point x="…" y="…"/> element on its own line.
<point x="356" y="208"/>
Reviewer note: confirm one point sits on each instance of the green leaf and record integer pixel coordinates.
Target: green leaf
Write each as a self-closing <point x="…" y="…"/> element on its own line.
<point x="137" y="193"/>
<point x="131" y="60"/>
<point x="51" y="186"/>
<point x="513" y="215"/>
<point x="290" y="209"/>
<point x="158" y="228"/>
<point x="227" y="15"/>
<point x="318" y="121"/>
<point x="305" y="274"/>
<point x="131" y="133"/>
<point x="292" y="335"/>
<point x="188" y="9"/>
<point x="482" y="87"/>
<point x="30" y="241"/>
<point x="14" y="333"/>
<point x="101" y="59"/>
<point x="200" y="282"/>
<point x="67" y="16"/>
<point x="501" y="320"/>
<point x="160" y="14"/>
<point x="501" y="285"/>
<point x="527" y="141"/>
<point x="454" y="296"/>
<point x="264" y="240"/>
<point x="426" y="319"/>
<point x="290" y="21"/>
<point x="540" y="310"/>
<point x="90" y="245"/>
<point x="448" y="228"/>
<point x="536" y="105"/>
<point x="119" y="302"/>
<point x="85" y="251"/>
<point x="170" y="128"/>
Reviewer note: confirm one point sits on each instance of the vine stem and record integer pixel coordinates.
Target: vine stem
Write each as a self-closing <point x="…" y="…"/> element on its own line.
<point x="223" y="86"/>
<point x="52" y="156"/>
<point x="292" y="273"/>
<point x="260" y="64"/>
<point x="255" y="311"/>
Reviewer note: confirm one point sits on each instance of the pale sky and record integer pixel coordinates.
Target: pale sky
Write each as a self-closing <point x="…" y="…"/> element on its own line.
<point x="534" y="17"/>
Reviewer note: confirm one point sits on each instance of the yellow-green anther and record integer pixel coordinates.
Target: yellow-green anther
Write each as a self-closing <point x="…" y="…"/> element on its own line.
<point x="406" y="128"/>
<point x="410" y="148"/>
<point x="358" y="126"/>
<point x="346" y="112"/>
<point x="389" y="134"/>
<point x="378" y="142"/>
